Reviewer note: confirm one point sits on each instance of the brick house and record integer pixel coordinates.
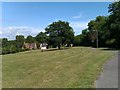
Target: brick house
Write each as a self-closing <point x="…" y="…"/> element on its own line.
<point x="30" y="46"/>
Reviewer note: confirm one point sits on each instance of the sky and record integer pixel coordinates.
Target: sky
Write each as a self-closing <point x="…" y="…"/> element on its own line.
<point x="30" y="18"/>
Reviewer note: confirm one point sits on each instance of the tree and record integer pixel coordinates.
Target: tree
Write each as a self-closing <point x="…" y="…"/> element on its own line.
<point x="77" y="40"/>
<point x="4" y="42"/>
<point x="84" y="37"/>
<point x="20" y="41"/>
<point x="30" y="39"/>
<point x="114" y="23"/>
<point x="60" y="33"/>
<point x="9" y="46"/>
<point x="41" y="37"/>
<point x="98" y="30"/>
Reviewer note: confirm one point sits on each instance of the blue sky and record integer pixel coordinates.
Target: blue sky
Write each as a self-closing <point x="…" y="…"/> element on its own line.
<point x="30" y="18"/>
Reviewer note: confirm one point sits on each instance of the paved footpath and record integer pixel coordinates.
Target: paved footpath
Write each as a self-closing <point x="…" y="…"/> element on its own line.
<point x="109" y="76"/>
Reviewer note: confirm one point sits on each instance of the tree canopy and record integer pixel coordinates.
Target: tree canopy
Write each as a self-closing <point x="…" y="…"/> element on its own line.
<point x="105" y="29"/>
<point x="30" y="39"/>
<point x="41" y="37"/>
<point x="114" y="23"/>
<point x="60" y="33"/>
<point x="20" y="41"/>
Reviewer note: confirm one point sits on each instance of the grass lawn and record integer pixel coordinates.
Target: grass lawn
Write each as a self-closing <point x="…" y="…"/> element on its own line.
<point x="76" y="67"/>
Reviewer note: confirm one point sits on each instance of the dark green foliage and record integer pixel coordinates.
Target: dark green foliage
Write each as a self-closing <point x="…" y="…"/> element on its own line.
<point x="77" y="40"/>
<point x="98" y="29"/>
<point x="60" y="33"/>
<point x="30" y="39"/>
<point x="85" y="40"/>
<point x="9" y="46"/>
<point x="4" y="42"/>
<point x="105" y="29"/>
<point x="82" y="39"/>
<point x="20" y="41"/>
<point x="41" y="37"/>
<point x="12" y="46"/>
<point x="114" y="22"/>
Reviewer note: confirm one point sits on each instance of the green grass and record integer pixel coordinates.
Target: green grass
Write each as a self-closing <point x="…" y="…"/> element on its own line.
<point x="73" y="68"/>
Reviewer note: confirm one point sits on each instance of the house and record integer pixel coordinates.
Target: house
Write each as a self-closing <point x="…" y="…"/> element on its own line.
<point x="71" y="45"/>
<point x="30" y="46"/>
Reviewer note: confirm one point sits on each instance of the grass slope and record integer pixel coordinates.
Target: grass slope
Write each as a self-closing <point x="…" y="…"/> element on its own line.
<point x="74" y="67"/>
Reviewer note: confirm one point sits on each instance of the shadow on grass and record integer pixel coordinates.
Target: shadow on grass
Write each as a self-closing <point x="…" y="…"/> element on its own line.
<point x="55" y="49"/>
<point x="109" y="49"/>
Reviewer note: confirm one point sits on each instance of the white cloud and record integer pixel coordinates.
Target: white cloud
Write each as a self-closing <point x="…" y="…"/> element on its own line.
<point x="0" y="32"/>
<point x="78" y="16"/>
<point x="78" y="26"/>
<point x="12" y="31"/>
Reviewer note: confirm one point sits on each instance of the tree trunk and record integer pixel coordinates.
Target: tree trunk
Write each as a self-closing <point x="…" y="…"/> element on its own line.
<point x="58" y="46"/>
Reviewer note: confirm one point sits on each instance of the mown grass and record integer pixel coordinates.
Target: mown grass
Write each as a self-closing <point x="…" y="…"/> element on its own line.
<point x="72" y="68"/>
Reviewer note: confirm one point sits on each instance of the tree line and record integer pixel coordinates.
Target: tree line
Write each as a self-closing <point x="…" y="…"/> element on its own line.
<point x="56" y="34"/>
<point x="104" y="31"/>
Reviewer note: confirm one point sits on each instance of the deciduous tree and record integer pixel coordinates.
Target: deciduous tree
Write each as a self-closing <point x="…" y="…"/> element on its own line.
<point x="60" y="33"/>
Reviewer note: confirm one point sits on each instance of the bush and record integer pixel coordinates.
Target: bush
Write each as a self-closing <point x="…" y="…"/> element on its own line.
<point x="5" y="50"/>
<point x="111" y="43"/>
<point x="13" y="49"/>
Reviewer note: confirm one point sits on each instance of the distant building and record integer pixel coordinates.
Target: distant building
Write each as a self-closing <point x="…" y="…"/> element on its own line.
<point x="30" y="46"/>
<point x="71" y="45"/>
<point x="43" y="46"/>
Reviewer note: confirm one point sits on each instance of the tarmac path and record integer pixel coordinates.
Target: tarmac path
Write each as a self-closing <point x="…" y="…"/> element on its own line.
<point x="109" y="76"/>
